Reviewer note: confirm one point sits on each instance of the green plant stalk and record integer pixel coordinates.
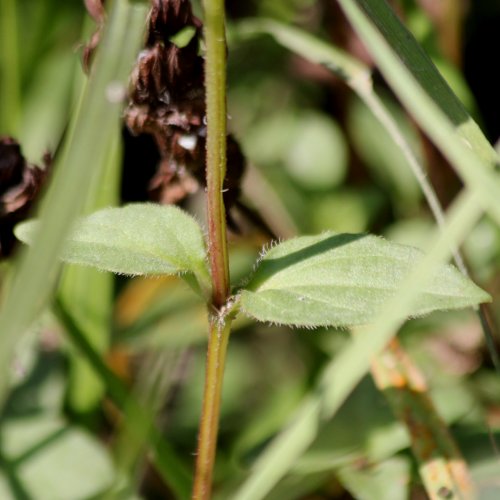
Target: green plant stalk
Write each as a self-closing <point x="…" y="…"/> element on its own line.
<point x="215" y="83"/>
<point x="441" y="466"/>
<point x="219" y="325"/>
<point x="138" y="420"/>
<point x="9" y="69"/>
<point x="207" y="438"/>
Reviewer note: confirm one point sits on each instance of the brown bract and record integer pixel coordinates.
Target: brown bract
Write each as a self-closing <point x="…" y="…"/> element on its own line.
<point x="168" y="17"/>
<point x="167" y="100"/>
<point x="20" y="184"/>
<point x="96" y="10"/>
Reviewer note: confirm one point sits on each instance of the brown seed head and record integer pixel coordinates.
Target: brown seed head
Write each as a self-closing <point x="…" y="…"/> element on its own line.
<point x="168" y="17"/>
<point x="20" y="183"/>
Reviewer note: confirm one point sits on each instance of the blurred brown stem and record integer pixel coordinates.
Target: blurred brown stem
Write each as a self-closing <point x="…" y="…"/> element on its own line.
<point x="441" y="466"/>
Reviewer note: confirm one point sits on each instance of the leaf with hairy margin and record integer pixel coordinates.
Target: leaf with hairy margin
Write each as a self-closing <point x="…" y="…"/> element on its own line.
<point x="342" y="280"/>
<point x="137" y="239"/>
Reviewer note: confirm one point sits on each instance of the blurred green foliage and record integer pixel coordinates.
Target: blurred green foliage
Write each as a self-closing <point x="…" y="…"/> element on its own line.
<point x="327" y="165"/>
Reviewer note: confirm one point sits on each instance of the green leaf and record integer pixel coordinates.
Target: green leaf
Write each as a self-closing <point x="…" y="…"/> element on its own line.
<point x="382" y="155"/>
<point x="35" y="451"/>
<point x="77" y="166"/>
<point x="317" y="154"/>
<point x="343" y="280"/>
<point x="388" y="480"/>
<point x="137" y="239"/>
<point x="88" y="293"/>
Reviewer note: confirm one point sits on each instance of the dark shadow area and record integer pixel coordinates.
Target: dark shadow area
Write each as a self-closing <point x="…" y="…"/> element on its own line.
<point x="481" y="46"/>
<point x="15" y="483"/>
<point x="24" y="400"/>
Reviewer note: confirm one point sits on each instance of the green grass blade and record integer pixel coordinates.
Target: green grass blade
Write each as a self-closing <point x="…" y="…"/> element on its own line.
<point x="357" y="76"/>
<point x="9" y="69"/>
<point x="88" y="294"/>
<point x="419" y="86"/>
<point x="307" y="46"/>
<point x="139" y="423"/>
<point x="96" y="121"/>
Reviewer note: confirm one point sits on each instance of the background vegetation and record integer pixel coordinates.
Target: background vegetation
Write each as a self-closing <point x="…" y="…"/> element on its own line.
<point x="317" y="160"/>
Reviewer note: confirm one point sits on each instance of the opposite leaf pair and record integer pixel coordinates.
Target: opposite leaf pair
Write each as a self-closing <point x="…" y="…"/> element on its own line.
<point x="337" y="280"/>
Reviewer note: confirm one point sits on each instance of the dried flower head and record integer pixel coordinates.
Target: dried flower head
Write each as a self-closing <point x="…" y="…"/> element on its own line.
<point x="167" y="102"/>
<point x="20" y="183"/>
<point x="168" y="17"/>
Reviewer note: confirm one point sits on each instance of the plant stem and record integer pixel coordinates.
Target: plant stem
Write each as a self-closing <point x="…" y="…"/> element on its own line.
<point x="220" y="327"/>
<point x="207" y="439"/>
<point x="441" y="466"/>
<point x="215" y="82"/>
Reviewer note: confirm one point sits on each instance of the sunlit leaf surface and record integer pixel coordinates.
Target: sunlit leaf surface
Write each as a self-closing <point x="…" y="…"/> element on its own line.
<point x="343" y="279"/>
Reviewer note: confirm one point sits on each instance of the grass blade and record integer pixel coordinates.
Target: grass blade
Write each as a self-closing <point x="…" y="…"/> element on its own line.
<point x="95" y="123"/>
<point x="425" y="94"/>
<point x="9" y="69"/>
<point x="357" y="76"/>
<point x="139" y="424"/>
<point x="88" y="294"/>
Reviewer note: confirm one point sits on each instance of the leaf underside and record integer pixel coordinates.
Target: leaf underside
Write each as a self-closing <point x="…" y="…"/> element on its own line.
<point x="342" y="280"/>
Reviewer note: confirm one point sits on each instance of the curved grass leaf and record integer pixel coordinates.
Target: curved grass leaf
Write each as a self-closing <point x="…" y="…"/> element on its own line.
<point x="343" y="280"/>
<point x="137" y="239"/>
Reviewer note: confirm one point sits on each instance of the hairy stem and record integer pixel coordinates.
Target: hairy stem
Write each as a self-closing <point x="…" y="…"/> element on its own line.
<point x="215" y="83"/>
<point x="207" y="438"/>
